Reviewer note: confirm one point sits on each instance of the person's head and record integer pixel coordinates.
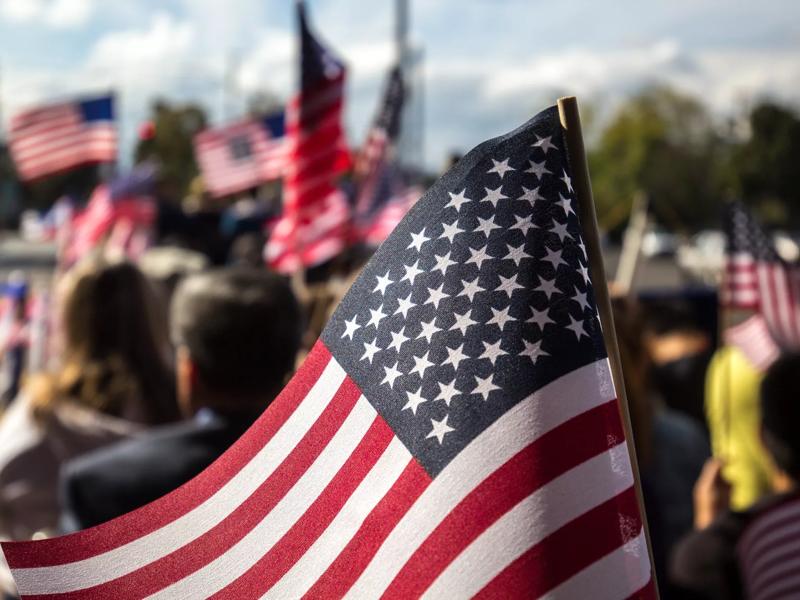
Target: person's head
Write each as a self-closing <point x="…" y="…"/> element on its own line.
<point x="236" y="332"/>
<point x="780" y="414"/>
<point x="115" y="349"/>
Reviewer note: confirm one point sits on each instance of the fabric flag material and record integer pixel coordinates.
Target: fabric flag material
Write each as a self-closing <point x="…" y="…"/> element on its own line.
<point x="455" y="431"/>
<point x="757" y="278"/>
<point x="127" y="219"/>
<point x="58" y="137"/>
<point x="753" y="338"/>
<point x="374" y="155"/>
<point x="314" y="224"/>
<point x="394" y="198"/>
<point x="242" y="155"/>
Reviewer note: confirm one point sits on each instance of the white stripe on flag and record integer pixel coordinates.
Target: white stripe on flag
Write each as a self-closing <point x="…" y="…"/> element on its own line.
<point x="344" y="526"/>
<point x="120" y="561"/>
<point x="534" y="518"/>
<point x="545" y="409"/>
<point x="235" y="562"/>
<point x="602" y="581"/>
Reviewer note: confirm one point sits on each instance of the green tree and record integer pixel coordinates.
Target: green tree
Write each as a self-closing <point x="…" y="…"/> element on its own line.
<point x="764" y="167"/>
<point x="664" y="144"/>
<point x="171" y="146"/>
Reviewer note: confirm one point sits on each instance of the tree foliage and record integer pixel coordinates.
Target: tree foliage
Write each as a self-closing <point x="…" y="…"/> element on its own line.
<point x="171" y="146"/>
<point x="767" y="164"/>
<point x="664" y="144"/>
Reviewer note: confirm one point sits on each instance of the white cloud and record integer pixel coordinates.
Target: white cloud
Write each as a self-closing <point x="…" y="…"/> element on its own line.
<point x="57" y="14"/>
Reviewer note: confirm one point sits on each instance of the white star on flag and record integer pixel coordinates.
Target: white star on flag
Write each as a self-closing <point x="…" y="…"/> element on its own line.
<point x="370" y="348"/>
<point x="442" y="263"/>
<point x="350" y="327"/>
<point x="417" y="239"/>
<point x="414" y="400"/>
<point x="447" y="391"/>
<point x="492" y="351"/>
<point x="533" y="350"/>
<point x="450" y="231"/>
<point x="412" y="271"/>
<point x="392" y="373"/>
<point x="576" y="325"/>
<point x="454" y="356"/>
<point x="493" y="196"/>
<point x="485" y="386"/>
<point x="404" y="305"/>
<point x="548" y="286"/>
<point x="478" y="256"/>
<point x="421" y="363"/>
<point x="500" y="167"/>
<point x="538" y="169"/>
<point x="383" y="282"/>
<point x="456" y="200"/>
<point x="545" y="144"/>
<point x="486" y="226"/>
<point x="376" y="316"/>
<point x="462" y="322"/>
<point x="440" y="429"/>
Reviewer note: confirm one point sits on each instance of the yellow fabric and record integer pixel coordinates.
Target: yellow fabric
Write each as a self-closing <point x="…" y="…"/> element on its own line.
<point x="734" y="419"/>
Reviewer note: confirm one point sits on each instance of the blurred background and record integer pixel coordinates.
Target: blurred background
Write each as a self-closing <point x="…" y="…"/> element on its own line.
<point x="684" y="103"/>
<point x="145" y="142"/>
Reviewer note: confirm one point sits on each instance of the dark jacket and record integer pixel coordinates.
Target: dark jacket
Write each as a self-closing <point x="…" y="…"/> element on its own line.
<point x="118" y="479"/>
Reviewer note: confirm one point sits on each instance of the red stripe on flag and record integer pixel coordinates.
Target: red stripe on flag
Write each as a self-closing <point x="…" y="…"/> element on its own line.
<point x="217" y="540"/>
<point x="567" y="551"/>
<point x="281" y="557"/>
<point x="127" y="528"/>
<point x="350" y="563"/>
<point x="542" y="461"/>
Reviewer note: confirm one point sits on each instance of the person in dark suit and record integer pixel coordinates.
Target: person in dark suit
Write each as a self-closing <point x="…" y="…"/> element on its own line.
<point x="236" y="334"/>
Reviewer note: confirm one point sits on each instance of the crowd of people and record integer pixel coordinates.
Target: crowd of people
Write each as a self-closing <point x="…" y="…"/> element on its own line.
<point x="160" y="366"/>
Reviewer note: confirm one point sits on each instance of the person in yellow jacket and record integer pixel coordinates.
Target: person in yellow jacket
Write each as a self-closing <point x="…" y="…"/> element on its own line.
<point x="732" y="410"/>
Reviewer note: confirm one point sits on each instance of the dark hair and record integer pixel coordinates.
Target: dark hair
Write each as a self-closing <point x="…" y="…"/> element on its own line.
<point x="780" y="413"/>
<point x="115" y="346"/>
<point x="242" y="329"/>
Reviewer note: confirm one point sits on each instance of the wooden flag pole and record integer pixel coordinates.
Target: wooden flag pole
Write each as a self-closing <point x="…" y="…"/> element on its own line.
<point x="571" y="122"/>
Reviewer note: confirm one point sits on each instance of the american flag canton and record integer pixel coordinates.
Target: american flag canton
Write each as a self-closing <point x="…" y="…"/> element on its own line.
<point x="480" y="297"/>
<point x="745" y="235"/>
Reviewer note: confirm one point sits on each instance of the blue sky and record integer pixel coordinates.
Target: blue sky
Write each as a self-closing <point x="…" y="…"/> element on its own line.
<point x="488" y="64"/>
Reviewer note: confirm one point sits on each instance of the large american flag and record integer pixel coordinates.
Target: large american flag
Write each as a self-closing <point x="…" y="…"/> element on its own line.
<point x="315" y="220"/>
<point x="455" y="431"/>
<point x="757" y="278"/>
<point x="58" y="137"/>
<point x="242" y="155"/>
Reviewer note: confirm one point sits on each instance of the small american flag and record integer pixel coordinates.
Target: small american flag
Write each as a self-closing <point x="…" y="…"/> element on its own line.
<point x="757" y="278"/>
<point x="111" y="215"/>
<point x="316" y="216"/>
<point x="58" y="137"/>
<point x="242" y="155"/>
<point x="455" y="431"/>
<point x="372" y="160"/>
<point x="393" y="198"/>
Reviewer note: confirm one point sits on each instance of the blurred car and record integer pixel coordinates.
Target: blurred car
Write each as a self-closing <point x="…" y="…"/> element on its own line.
<point x="703" y="257"/>
<point x="658" y="242"/>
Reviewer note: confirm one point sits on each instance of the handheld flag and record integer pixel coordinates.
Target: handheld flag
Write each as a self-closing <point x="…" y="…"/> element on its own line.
<point x="242" y="155"/>
<point x="454" y="432"/>
<point x="313" y="227"/>
<point x="756" y="278"/>
<point x="58" y="137"/>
